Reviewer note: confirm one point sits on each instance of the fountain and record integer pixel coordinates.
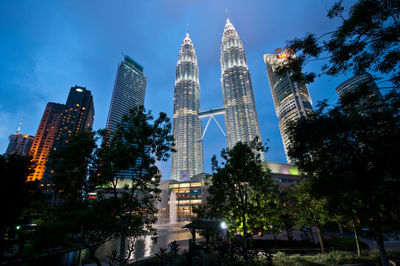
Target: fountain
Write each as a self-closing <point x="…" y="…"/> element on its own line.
<point x="172" y="208"/>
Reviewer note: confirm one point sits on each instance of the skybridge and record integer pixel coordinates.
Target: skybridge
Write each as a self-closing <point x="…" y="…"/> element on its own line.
<point x="210" y="114"/>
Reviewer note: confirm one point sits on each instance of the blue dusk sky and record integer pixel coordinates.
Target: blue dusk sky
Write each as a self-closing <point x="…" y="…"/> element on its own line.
<point x="48" y="46"/>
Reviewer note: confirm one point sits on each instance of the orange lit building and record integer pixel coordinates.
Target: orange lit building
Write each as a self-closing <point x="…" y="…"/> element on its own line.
<point x="45" y="137"/>
<point x="58" y="124"/>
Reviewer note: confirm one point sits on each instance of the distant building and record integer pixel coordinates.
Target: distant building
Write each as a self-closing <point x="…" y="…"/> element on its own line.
<point x="45" y="137"/>
<point x="193" y="192"/>
<point x="189" y="194"/>
<point x="352" y="83"/>
<point x="129" y="91"/>
<point x="283" y="174"/>
<point x="241" y="121"/>
<point x="291" y="99"/>
<point x="187" y="161"/>
<point x="19" y="144"/>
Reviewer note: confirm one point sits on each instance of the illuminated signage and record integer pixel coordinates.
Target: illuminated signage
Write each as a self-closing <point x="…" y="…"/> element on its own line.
<point x="282" y="55"/>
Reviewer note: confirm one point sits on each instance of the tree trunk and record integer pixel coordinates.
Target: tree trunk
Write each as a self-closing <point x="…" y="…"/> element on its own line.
<point x="244" y="230"/>
<point x="93" y="257"/>
<point x="321" y="240"/>
<point x="340" y="228"/>
<point x="122" y="239"/>
<point x="357" y="240"/>
<point x="289" y="234"/>
<point x="312" y="234"/>
<point x="382" y="251"/>
<point x="275" y="240"/>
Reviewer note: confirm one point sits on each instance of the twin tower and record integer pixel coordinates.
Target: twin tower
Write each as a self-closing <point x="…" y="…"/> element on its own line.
<point x="241" y="122"/>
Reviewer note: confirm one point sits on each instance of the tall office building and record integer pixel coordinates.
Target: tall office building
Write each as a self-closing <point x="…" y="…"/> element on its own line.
<point x="129" y="91"/>
<point x="291" y="99"/>
<point x="45" y="137"/>
<point x="241" y="120"/>
<point x="58" y="124"/>
<point x="187" y="161"/>
<point x="352" y="83"/>
<point x="19" y="144"/>
<point x="78" y="115"/>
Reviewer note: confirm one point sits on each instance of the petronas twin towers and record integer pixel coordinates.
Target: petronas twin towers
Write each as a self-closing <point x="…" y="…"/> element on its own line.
<point x="241" y="120"/>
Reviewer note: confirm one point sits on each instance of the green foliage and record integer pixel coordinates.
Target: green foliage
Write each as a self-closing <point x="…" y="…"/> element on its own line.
<point x="367" y="38"/>
<point x="16" y="196"/>
<point x="331" y="258"/>
<point x="349" y="155"/>
<point x="126" y="164"/>
<point x="240" y="189"/>
<point x="71" y="164"/>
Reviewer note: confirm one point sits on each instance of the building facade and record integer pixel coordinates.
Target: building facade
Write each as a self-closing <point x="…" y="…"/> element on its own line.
<point x="189" y="194"/>
<point x="129" y="91"/>
<point x="241" y="120"/>
<point x="58" y="124"/>
<point x="78" y="115"/>
<point x="19" y="144"/>
<point x="352" y="83"/>
<point x="187" y="161"/>
<point x="45" y="138"/>
<point x="291" y="99"/>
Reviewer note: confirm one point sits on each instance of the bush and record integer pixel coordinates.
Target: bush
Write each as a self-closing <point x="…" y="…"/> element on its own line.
<point x="331" y="258"/>
<point x="263" y="243"/>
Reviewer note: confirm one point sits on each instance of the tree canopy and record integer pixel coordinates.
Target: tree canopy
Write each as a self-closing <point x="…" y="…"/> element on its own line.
<point x="349" y="153"/>
<point x="240" y="188"/>
<point x="366" y="39"/>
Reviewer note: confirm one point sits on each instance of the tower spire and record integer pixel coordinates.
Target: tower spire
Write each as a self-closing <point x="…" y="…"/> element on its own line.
<point x="187" y="30"/>
<point x="227" y="15"/>
<point x="19" y="128"/>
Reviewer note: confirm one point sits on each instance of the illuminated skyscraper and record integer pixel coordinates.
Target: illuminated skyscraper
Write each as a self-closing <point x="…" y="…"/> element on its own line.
<point x="78" y="115"/>
<point x="58" y="124"/>
<point x="129" y="91"/>
<point x="19" y="144"/>
<point x="291" y="99"/>
<point x="45" y="137"/>
<point x="187" y="161"/>
<point x="241" y="120"/>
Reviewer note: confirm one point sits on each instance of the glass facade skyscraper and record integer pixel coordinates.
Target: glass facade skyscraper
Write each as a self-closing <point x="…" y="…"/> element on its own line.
<point x="187" y="161"/>
<point x="129" y="91"/>
<point x="352" y="83"/>
<point x="291" y="99"/>
<point x="241" y="120"/>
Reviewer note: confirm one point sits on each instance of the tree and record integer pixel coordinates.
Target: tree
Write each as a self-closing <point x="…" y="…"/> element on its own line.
<point x="15" y="193"/>
<point x="310" y="210"/>
<point x="74" y="221"/>
<point x="367" y="39"/>
<point x="238" y="184"/>
<point x="128" y="156"/>
<point x="349" y="154"/>
<point x="71" y="164"/>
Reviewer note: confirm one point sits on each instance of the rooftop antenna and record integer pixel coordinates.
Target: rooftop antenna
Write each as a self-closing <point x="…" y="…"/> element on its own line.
<point x="227" y="14"/>
<point x="187" y="29"/>
<point x="19" y="128"/>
